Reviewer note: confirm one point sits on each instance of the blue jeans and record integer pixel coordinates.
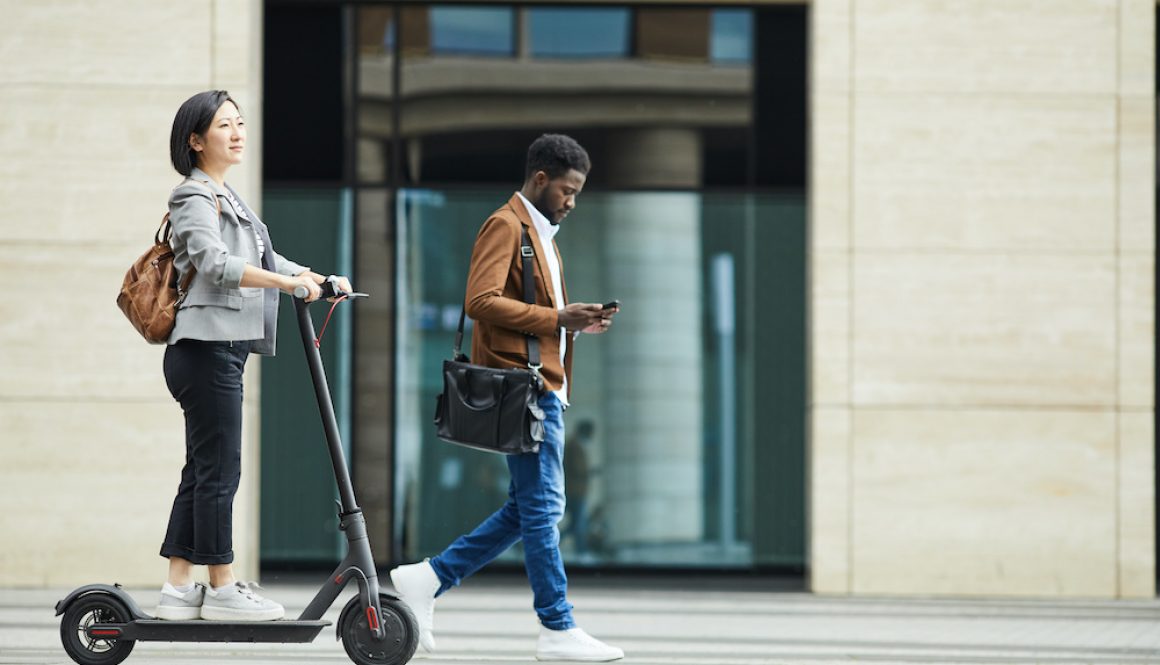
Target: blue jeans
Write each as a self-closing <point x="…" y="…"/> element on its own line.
<point x="532" y="513"/>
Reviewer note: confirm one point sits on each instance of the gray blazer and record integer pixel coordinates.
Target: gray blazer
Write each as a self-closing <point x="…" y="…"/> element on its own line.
<point x="217" y="307"/>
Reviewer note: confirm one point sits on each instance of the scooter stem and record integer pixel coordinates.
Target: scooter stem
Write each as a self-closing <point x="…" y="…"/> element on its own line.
<point x="325" y="408"/>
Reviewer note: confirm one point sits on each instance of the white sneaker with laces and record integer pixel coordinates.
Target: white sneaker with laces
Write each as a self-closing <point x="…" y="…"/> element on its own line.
<point x="417" y="584"/>
<point x="239" y="602"/>
<point x="180" y="606"/>
<point x="574" y="644"/>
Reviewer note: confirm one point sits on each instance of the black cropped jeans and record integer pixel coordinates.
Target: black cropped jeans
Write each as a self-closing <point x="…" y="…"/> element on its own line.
<point x="206" y="379"/>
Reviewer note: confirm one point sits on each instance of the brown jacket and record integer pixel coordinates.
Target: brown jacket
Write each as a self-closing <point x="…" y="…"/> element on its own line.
<point x="495" y="298"/>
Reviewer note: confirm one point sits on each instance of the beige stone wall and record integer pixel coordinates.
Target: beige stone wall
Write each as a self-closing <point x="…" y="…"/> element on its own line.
<point x="92" y="441"/>
<point x="982" y="269"/>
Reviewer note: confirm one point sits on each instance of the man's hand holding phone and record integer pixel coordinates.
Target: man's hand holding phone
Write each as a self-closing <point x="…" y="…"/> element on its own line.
<point x="607" y="311"/>
<point x="588" y="317"/>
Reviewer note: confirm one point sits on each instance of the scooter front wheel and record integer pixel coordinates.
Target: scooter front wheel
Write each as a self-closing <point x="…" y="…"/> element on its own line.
<point x="396" y="648"/>
<point x="84" y="612"/>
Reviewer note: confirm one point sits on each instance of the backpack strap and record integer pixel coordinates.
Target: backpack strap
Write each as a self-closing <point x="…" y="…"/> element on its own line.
<point x="212" y="193"/>
<point x="165" y="232"/>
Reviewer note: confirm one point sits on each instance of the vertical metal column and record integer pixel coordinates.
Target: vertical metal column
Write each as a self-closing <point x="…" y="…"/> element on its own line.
<point x="724" y="326"/>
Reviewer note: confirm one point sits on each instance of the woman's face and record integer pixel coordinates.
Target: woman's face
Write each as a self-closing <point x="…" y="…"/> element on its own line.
<point x="223" y="143"/>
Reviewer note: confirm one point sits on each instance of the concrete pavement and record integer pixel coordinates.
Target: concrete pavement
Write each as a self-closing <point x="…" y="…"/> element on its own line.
<point x="490" y="621"/>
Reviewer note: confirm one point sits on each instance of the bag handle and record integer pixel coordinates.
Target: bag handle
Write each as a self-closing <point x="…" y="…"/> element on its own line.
<point x="527" y="253"/>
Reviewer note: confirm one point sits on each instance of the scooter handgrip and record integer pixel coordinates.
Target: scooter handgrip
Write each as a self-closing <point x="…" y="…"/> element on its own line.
<point x="329" y="289"/>
<point x="301" y="292"/>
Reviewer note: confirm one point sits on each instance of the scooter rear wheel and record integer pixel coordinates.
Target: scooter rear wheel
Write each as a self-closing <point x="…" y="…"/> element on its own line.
<point x="402" y="633"/>
<point x="84" y="612"/>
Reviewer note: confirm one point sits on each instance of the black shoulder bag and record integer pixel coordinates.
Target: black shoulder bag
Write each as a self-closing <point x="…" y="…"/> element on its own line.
<point x="490" y="409"/>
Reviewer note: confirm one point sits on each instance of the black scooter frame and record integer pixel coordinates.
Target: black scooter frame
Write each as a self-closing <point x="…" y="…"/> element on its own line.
<point x="358" y="564"/>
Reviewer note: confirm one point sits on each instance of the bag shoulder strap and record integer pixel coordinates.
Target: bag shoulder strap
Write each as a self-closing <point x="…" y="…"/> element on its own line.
<point x="212" y="194"/>
<point x="165" y="231"/>
<point x="527" y="253"/>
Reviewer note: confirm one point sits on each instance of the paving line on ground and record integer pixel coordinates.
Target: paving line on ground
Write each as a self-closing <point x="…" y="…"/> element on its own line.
<point x="1148" y="615"/>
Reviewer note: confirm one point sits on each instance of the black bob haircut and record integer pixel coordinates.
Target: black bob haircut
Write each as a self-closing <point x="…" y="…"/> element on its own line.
<point x="193" y="117"/>
<point x="555" y="155"/>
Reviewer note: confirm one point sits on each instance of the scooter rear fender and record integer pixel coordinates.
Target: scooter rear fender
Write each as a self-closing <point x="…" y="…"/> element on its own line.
<point x="115" y="590"/>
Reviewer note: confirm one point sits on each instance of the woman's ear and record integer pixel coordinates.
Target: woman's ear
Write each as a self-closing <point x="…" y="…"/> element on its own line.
<point x="195" y="143"/>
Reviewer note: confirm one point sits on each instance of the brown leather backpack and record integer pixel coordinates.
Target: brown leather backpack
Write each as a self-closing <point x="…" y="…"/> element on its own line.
<point x="150" y="295"/>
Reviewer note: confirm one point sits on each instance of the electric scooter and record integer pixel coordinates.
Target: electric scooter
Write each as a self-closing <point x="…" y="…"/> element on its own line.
<point x="101" y="623"/>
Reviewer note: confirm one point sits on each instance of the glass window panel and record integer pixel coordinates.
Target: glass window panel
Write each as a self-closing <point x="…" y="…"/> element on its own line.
<point x="459" y="115"/>
<point x="298" y="522"/>
<point x="579" y="32"/>
<point x="726" y="486"/>
<point x="680" y="465"/>
<point x="673" y="35"/>
<point x="731" y="37"/>
<point x="287" y="109"/>
<point x="376" y="30"/>
<point x="461" y="29"/>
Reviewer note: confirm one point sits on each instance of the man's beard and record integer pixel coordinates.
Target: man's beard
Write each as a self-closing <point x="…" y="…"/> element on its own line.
<point x="548" y="214"/>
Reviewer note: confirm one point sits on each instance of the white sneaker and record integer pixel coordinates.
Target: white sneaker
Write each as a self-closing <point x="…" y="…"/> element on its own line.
<point x="574" y="644"/>
<point x="177" y="606"/>
<point x="417" y="584"/>
<point x="239" y="602"/>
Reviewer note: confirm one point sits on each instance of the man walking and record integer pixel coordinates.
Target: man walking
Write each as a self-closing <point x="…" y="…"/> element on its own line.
<point x="557" y="168"/>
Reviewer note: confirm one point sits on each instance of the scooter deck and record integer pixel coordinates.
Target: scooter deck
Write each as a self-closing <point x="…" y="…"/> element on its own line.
<point x="156" y="630"/>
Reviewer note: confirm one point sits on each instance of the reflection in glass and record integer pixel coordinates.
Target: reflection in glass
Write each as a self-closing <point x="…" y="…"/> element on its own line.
<point x="298" y="519"/>
<point x="463" y="29"/>
<point x="579" y="32"/>
<point x="662" y="470"/>
<point x="687" y="431"/>
<point x="376" y="30"/>
<point x="465" y="109"/>
<point x="731" y="39"/>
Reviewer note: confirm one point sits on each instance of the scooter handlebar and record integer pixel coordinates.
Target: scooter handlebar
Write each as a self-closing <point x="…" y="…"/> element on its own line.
<point x="329" y="288"/>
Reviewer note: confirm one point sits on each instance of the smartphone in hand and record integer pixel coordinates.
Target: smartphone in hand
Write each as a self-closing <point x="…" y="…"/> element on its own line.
<point x="613" y="304"/>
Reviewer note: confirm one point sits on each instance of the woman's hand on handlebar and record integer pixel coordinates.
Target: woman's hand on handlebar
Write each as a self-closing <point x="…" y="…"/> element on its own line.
<point x="340" y="285"/>
<point x="343" y="285"/>
<point x="304" y="281"/>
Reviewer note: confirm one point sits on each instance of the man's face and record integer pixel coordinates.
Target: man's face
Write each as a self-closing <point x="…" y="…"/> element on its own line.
<point x="555" y="197"/>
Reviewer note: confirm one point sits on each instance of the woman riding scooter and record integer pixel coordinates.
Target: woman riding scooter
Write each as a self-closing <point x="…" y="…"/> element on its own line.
<point x="229" y="311"/>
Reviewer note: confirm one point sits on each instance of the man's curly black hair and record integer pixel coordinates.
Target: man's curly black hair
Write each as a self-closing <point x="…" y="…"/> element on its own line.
<point x="555" y="155"/>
